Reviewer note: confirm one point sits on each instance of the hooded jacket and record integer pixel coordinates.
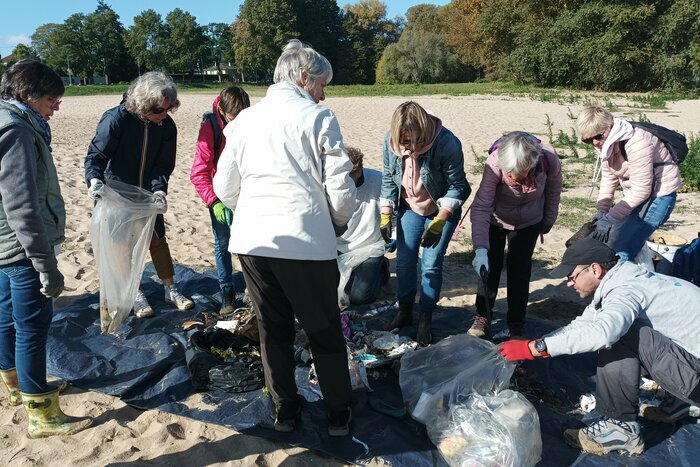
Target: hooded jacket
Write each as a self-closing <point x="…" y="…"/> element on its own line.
<point x="630" y="293"/>
<point x="206" y="158"/>
<point x="285" y="174"/>
<point x="32" y="211"/>
<point x="132" y="150"/>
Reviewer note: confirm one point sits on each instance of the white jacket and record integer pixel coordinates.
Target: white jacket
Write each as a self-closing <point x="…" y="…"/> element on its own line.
<point x="285" y="174"/>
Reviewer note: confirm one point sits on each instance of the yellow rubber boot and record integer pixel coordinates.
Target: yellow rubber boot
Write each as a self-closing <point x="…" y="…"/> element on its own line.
<point x="46" y="417"/>
<point x="9" y="377"/>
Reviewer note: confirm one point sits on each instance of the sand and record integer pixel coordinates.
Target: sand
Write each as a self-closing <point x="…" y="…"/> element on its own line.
<point x="123" y="434"/>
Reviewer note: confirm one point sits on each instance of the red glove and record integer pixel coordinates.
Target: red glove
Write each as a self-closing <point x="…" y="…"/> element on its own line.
<point x="516" y="349"/>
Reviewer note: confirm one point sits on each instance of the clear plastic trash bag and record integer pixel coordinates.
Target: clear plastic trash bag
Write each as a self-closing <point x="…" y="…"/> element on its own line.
<point x="437" y="376"/>
<point x="120" y="231"/>
<point x="496" y="430"/>
<point x="351" y="260"/>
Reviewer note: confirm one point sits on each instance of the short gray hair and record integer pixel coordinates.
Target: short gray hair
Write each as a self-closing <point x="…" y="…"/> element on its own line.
<point x="148" y="92"/>
<point x="298" y="58"/>
<point x="518" y="153"/>
<point x="593" y="120"/>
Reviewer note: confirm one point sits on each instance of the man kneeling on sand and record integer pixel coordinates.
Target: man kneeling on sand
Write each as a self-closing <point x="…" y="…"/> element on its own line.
<point x="638" y="320"/>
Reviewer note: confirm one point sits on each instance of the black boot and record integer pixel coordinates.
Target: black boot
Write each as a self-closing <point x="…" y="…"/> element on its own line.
<point x="228" y="301"/>
<point x="404" y="317"/>
<point x="423" y="336"/>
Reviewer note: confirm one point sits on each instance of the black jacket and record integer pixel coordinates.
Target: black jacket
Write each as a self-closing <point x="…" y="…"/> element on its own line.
<point x="132" y="150"/>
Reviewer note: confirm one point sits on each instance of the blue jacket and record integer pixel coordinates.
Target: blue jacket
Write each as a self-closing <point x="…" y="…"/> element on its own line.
<point x="132" y="150"/>
<point x="441" y="171"/>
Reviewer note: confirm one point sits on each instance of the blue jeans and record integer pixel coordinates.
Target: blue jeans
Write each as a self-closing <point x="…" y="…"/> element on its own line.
<point x="640" y="224"/>
<point x="222" y="234"/>
<point x="365" y="281"/>
<point x="25" y="317"/>
<point x="409" y="231"/>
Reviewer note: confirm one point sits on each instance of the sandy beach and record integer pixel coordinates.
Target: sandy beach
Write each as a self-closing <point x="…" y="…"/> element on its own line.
<point x="122" y="434"/>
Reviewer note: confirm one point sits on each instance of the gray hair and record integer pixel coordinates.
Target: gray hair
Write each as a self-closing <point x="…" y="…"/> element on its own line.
<point x="148" y="91"/>
<point x="593" y="120"/>
<point x="518" y="153"/>
<point x="298" y="58"/>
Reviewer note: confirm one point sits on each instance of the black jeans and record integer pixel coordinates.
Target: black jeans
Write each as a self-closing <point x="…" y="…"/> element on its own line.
<point x="521" y="244"/>
<point x="281" y="289"/>
<point x="619" y="369"/>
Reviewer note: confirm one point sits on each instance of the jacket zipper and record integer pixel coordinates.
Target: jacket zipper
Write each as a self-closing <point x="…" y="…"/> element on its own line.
<point x="143" y="153"/>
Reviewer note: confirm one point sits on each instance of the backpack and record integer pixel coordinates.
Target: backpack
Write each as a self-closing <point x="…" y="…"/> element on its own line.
<point x="218" y="132"/>
<point x="674" y="141"/>
<point x="686" y="262"/>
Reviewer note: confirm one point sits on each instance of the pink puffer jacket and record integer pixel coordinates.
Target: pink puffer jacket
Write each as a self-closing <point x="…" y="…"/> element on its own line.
<point x="205" y="159"/>
<point x="512" y="207"/>
<point x="648" y="170"/>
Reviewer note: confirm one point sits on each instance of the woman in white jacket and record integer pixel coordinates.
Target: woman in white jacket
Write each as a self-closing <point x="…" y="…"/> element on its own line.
<point x="286" y="175"/>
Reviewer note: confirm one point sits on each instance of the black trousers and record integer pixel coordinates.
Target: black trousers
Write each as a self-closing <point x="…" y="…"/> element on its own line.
<point x="281" y="289"/>
<point x="620" y="366"/>
<point x="521" y="245"/>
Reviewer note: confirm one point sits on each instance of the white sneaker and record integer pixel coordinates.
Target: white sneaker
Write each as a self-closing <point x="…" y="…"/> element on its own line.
<point x="141" y="307"/>
<point x="173" y="297"/>
<point x="605" y="436"/>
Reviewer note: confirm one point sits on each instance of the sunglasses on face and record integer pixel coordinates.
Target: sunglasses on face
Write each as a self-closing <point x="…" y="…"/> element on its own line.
<point x="160" y="110"/>
<point x="590" y="140"/>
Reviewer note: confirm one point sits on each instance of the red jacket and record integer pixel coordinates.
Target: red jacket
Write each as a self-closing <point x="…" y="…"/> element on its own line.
<point x="206" y="158"/>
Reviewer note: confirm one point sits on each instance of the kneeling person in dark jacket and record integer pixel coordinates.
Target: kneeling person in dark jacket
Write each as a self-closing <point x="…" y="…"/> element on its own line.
<point x="135" y="143"/>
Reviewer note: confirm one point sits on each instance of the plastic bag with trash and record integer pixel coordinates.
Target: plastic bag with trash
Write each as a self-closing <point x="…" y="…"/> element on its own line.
<point x="437" y="376"/>
<point x="351" y="260"/>
<point x="120" y="231"/>
<point x="496" y="430"/>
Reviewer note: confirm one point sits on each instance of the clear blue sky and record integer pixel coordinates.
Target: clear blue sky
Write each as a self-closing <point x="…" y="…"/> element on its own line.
<point x="19" y="21"/>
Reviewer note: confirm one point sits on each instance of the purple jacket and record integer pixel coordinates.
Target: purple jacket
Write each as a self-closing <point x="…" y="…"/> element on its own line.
<point x="509" y="206"/>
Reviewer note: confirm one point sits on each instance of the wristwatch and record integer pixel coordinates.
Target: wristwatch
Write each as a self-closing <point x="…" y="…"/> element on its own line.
<point x="541" y="347"/>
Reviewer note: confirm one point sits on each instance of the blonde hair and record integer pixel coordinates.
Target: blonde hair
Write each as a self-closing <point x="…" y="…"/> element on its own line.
<point x="148" y="91"/>
<point x="411" y="118"/>
<point x="593" y="120"/>
<point x="355" y="156"/>
<point x="518" y="153"/>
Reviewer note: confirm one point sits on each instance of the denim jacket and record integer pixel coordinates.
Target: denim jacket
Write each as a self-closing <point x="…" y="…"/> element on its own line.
<point x="441" y="171"/>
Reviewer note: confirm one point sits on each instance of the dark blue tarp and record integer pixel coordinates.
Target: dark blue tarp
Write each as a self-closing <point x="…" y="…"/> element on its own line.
<point x="144" y="365"/>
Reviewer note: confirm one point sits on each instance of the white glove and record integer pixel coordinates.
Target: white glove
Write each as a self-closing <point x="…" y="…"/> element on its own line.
<point x="52" y="283"/>
<point x="481" y="260"/>
<point x="160" y="202"/>
<point x="95" y="189"/>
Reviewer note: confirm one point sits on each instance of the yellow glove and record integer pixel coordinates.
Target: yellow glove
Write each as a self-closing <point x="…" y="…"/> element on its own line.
<point x="385" y="227"/>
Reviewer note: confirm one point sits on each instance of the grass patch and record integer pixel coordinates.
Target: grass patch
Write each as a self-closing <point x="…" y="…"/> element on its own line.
<point x="478" y="167"/>
<point x="690" y="167"/>
<point x="573" y="212"/>
<point x="209" y="88"/>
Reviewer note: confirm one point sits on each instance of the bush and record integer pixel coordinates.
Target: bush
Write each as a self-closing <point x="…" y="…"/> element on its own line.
<point x="690" y="167"/>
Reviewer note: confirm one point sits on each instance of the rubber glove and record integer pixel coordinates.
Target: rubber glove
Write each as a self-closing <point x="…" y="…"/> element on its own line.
<point x="516" y="349"/>
<point x="433" y="233"/>
<point x="160" y="202"/>
<point x="603" y="227"/>
<point x="96" y="186"/>
<point x="385" y="227"/>
<point x="52" y="283"/>
<point x="222" y="214"/>
<point x="481" y="260"/>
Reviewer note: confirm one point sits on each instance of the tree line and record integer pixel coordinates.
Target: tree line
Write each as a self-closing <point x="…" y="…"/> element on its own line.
<point x="588" y="44"/>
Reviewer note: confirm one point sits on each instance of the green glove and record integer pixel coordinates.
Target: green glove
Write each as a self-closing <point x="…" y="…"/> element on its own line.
<point x="433" y="233"/>
<point x="222" y="213"/>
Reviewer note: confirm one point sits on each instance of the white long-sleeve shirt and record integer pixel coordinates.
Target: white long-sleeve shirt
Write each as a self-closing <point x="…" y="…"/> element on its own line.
<point x="285" y="174"/>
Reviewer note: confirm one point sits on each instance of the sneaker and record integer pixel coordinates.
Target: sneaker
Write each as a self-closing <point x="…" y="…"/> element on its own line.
<point x="174" y="297"/>
<point x="480" y="327"/>
<point x="516" y="330"/>
<point x="141" y="307"/>
<point x="670" y="412"/>
<point x="607" y="435"/>
<point x="339" y="422"/>
<point x="286" y="418"/>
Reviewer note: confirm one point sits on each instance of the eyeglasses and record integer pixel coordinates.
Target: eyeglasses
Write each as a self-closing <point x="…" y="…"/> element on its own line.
<point x="575" y="276"/>
<point x="160" y="110"/>
<point x="590" y="140"/>
<point x="406" y="142"/>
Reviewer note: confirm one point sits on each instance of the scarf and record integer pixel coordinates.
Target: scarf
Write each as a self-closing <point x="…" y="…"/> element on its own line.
<point x="44" y="127"/>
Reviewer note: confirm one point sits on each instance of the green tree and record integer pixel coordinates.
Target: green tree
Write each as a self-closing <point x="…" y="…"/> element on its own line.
<point x="23" y="51"/>
<point x="108" y="53"/>
<point x="72" y="43"/>
<point x="185" y="42"/>
<point x="677" y="40"/>
<point x="146" y="41"/>
<point x="424" y="17"/>
<point x="260" y="32"/>
<point x="218" y="50"/>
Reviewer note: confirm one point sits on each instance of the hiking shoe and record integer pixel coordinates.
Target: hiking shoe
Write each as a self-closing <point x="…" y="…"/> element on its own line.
<point x="403" y="317"/>
<point x="607" y="435"/>
<point x="173" y="297"/>
<point x="424" y="337"/>
<point x="516" y="330"/>
<point x="670" y="412"/>
<point x="286" y="418"/>
<point x="228" y="301"/>
<point x="141" y="307"/>
<point x="339" y="422"/>
<point x="480" y="327"/>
